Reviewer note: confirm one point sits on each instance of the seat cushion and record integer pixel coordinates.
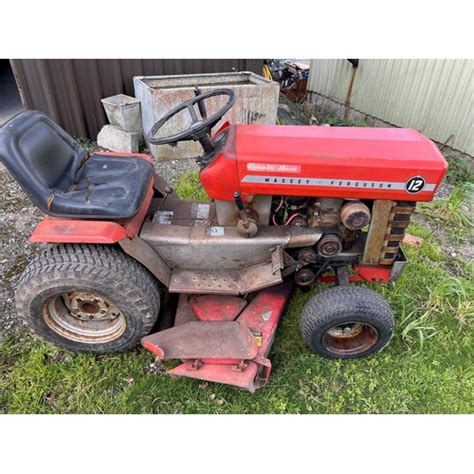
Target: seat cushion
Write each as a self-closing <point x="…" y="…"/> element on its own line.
<point x="105" y="187"/>
<point x="40" y="155"/>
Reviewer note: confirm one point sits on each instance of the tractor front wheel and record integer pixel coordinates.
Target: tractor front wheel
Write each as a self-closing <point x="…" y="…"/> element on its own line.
<point x="346" y="322"/>
<point x="88" y="298"/>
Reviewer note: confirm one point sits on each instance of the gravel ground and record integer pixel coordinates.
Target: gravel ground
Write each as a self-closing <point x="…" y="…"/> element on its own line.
<point x="173" y="169"/>
<point x="18" y="218"/>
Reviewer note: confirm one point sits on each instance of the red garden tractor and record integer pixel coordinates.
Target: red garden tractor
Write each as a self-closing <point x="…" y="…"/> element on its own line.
<point x="290" y="206"/>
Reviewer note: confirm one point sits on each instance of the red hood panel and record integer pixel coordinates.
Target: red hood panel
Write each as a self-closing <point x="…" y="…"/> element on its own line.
<point x="346" y="162"/>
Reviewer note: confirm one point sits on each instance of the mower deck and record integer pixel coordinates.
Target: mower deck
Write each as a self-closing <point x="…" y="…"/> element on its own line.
<point x="221" y="338"/>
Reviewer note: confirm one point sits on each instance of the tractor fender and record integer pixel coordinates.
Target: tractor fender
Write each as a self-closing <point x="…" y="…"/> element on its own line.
<point x="75" y="231"/>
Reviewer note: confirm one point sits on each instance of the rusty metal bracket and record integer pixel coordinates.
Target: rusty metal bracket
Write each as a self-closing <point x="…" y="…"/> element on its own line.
<point x="342" y="275"/>
<point x="277" y="259"/>
<point x="148" y="257"/>
<point x="263" y="373"/>
<point x="241" y="366"/>
<point x="196" y="365"/>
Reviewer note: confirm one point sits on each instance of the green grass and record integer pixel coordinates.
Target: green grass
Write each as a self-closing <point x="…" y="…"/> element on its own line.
<point x="455" y="211"/>
<point x="189" y="187"/>
<point x="427" y="368"/>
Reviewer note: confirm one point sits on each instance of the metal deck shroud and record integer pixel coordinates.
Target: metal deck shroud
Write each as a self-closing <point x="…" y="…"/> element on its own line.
<point x="221" y="338"/>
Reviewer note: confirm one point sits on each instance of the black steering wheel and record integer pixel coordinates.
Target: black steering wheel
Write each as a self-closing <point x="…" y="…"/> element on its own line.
<point x="200" y="128"/>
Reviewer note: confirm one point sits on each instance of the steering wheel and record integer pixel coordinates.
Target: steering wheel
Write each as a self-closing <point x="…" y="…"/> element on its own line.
<point x="200" y="128"/>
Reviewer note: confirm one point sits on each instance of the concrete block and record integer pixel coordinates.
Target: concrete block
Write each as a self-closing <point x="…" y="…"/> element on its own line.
<point x="115" y="139"/>
<point x="256" y="102"/>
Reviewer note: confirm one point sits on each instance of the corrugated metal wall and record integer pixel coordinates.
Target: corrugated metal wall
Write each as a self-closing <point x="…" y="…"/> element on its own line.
<point x="69" y="90"/>
<point x="434" y="96"/>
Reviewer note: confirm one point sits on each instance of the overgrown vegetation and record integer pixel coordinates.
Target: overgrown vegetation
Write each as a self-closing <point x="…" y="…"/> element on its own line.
<point x="427" y="368"/>
<point x="459" y="170"/>
<point x="454" y="211"/>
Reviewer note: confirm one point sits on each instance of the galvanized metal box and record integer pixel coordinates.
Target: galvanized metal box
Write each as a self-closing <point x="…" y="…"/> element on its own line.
<point x="257" y="102"/>
<point x="123" y="111"/>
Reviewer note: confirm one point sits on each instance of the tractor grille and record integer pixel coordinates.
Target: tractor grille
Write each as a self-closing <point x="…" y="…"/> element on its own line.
<point x="399" y="219"/>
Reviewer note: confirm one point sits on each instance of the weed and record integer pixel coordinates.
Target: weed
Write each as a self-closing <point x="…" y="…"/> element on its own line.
<point x="190" y="187"/>
<point x="86" y="142"/>
<point x="459" y="170"/>
<point x="452" y="296"/>
<point x="416" y="329"/>
<point x="455" y="210"/>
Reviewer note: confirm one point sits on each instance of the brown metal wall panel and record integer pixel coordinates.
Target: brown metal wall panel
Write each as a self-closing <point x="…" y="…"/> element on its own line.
<point x="69" y="90"/>
<point x="86" y="72"/>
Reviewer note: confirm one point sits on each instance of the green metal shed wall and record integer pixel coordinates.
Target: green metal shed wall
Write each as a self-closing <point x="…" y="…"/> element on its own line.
<point x="434" y="96"/>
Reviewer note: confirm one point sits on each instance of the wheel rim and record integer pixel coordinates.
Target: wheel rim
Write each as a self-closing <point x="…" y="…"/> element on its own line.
<point x="84" y="317"/>
<point x="350" y="338"/>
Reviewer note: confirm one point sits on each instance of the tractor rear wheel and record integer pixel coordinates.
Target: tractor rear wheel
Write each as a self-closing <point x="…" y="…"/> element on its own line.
<point x="346" y="322"/>
<point x="88" y="298"/>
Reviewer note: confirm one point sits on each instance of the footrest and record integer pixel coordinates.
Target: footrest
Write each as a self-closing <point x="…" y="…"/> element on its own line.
<point x="204" y="340"/>
<point x="225" y="282"/>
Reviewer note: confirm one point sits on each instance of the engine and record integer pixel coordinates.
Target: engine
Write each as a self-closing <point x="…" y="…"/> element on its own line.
<point x="338" y="219"/>
<point x="347" y="236"/>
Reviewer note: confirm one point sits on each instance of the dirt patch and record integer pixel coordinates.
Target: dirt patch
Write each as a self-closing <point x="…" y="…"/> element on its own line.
<point x="17" y="220"/>
<point x="173" y="169"/>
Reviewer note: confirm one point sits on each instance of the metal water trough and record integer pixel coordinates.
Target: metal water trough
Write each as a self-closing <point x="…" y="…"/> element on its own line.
<point x="257" y="102"/>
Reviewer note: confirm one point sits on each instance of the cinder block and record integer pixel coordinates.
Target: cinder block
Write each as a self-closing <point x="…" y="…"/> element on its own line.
<point x="116" y="139"/>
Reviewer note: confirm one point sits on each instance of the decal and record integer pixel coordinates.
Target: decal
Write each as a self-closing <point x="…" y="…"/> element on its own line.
<point x="333" y="182"/>
<point x="415" y="184"/>
<point x="163" y="217"/>
<point x="202" y="211"/>
<point x="273" y="168"/>
<point x="215" y="231"/>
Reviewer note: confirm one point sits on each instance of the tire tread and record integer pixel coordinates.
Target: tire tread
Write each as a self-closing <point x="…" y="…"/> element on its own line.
<point x="330" y="304"/>
<point x="101" y="263"/>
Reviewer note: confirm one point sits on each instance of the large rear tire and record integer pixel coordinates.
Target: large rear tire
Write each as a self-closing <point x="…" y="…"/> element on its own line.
<point x="346" y="322"/>
<point x="88" y="298"/>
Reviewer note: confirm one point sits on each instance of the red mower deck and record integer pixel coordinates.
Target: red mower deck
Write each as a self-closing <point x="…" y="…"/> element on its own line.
<point x="222" y="344"/>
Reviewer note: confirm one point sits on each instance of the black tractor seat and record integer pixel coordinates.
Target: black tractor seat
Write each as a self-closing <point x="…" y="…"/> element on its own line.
<point x="62" y="179"/>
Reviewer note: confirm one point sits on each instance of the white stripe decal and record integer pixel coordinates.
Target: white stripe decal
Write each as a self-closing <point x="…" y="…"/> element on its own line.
<point x="330" y="182"/>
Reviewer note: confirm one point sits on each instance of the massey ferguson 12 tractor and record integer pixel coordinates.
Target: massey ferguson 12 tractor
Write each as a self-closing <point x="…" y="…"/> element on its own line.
<point x="290" y="206"/>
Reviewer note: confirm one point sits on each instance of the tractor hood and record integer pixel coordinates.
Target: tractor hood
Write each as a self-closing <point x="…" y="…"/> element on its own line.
<point x="344" y="162"/>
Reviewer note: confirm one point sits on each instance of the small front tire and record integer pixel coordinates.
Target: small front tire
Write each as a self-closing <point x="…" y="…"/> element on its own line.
<point x="346" y="323"/>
